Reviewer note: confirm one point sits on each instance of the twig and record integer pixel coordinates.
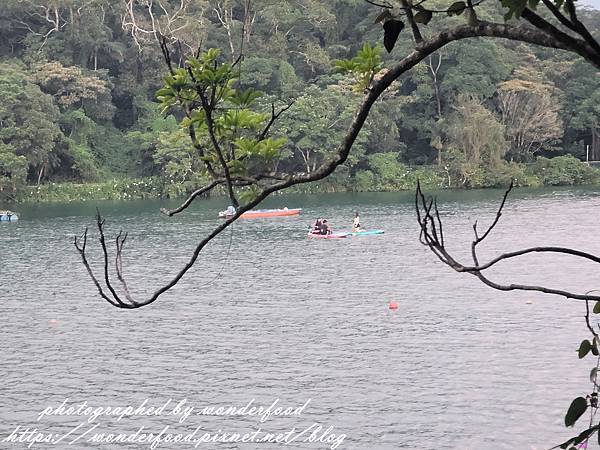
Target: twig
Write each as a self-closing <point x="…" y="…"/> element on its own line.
<point x="274" y="117"/>
<point x="411" y="20"/>
<point x="381" y="5"/>
<point x="429" y="237"/>
<point x="193" y="195"/>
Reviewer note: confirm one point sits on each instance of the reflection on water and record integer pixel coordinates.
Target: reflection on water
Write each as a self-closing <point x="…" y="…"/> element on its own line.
<point x="267" y="313"/>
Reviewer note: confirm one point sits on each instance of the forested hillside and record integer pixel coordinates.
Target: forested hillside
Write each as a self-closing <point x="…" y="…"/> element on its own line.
<point x="78" y="82"/>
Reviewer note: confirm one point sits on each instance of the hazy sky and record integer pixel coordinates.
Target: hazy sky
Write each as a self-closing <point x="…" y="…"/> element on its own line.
<point x="593" y="3"/>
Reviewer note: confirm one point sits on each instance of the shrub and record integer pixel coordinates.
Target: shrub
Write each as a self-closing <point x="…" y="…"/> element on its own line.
<point x="364" y="181"/>
<point x="118" y="189"/>
<point x="512" y="172"/>
<point x="564" y="171"/>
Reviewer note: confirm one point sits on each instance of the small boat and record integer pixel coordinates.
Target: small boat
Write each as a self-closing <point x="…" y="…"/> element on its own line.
<point x="329" y="236"/>
<point x="367" y="232"/>
<point x="258" y="213"/>
<point x="8" y="216"/>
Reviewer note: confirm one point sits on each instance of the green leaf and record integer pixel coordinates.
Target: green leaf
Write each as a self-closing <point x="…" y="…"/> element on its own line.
<point x="247" y="195"/>
<point x="248" y="147"/>
<point x="244" y="98"/>
<point x="242" y="119"/>
<point x="576" y="410"/>
<point x="385" y="14"/>
<point x="423" y="17"/>
<point x="363" y="66"/>
<point x="197" y="116"/>
<point x="269" y="148"/>
<point x="344" y="65"/>
<point x="597" y="308"/>
<point x="164" y="92"/>
<point x="456" y="8"/>
<point x="236" y="167"/>
<point x="584" y="348"/>
<point x="391" y="31"/>
<point x="515" y="7"/>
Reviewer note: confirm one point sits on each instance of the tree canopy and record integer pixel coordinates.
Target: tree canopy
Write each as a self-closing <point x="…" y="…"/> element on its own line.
<point x="97" y="66"/>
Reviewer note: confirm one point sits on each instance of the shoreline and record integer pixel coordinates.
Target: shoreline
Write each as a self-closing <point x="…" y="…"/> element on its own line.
<point x="558" y="171"/>
<point x="63" y="192"/>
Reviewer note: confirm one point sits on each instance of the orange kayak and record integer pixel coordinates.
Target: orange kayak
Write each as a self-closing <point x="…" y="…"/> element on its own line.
<point x="267" y="213"/>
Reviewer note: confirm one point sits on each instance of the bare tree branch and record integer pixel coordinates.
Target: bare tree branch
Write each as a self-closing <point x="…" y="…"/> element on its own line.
<point x="430" y="238"/>
<point x="407" y="6"/>
<point x="589" y="51"/>
<point x="429" y="218"/>
<point x="579" y="27"/>
<point x="559" y="16"/>
<point x="208" y="109"/>
<point x="587" y="316"/>
<point x="381" y="5"/>
<point x="193" y="195"/>
<point x="274" y="117"/>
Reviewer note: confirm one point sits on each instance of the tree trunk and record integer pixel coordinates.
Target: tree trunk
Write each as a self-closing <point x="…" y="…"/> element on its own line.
<point x="595" y="150"/>
<point x="40" y="174"/>
<point x="56" y="18"/>
<point x="306" y="158"/>
<point x="436" y="86"/>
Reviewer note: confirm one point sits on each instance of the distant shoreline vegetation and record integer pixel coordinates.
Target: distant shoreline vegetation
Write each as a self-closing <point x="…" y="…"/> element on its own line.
<point x="82" y="103"/>
<point x="384" y="175"/>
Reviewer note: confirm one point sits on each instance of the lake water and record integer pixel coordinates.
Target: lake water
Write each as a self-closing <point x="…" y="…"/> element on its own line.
<point x="267" y="313"/>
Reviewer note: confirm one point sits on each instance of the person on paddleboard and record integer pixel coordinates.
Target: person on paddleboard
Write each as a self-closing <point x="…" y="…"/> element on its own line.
<point x="316" y="228"/>
<point x="356" y="223"/>
<point x="325" y="229"/>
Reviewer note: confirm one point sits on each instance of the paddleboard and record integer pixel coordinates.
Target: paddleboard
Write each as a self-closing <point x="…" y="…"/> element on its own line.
<point x="329" y="236"/>
<point x="366" y="232"/>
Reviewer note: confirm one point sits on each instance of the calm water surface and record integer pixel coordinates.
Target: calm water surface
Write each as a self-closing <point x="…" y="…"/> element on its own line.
<point x="267" y="313"/>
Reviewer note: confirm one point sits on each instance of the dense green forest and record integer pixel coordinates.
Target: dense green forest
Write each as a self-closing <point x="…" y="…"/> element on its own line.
<point x="78" y="82"/>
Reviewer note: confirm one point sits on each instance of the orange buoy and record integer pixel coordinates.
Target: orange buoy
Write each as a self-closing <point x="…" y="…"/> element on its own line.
<point x="393" y="305"/>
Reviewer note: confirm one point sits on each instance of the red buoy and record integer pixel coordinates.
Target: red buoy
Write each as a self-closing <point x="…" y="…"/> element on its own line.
<point x="393" y="305"/>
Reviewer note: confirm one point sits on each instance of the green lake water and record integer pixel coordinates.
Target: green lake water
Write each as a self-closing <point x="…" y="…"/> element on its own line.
<point x="267" y="313"/>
